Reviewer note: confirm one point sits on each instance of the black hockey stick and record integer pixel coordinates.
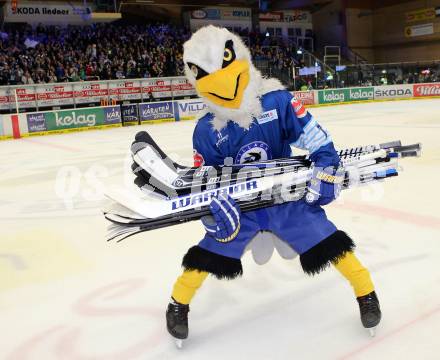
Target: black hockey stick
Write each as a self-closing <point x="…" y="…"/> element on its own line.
<point x="150" y="167"/>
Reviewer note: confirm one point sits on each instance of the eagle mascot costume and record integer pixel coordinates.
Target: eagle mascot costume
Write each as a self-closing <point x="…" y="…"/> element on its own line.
<point x="252" y="118"/>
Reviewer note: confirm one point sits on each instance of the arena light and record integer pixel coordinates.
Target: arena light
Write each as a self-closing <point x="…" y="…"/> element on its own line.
<point x="299" y="52"/>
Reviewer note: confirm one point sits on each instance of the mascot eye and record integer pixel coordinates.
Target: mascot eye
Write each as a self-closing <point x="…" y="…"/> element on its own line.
<point x="227" y="56"/>
<point x="229" y="53"/>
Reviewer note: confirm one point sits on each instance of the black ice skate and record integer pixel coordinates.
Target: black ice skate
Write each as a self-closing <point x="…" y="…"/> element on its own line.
<point x="177" y="321"/>
<point x="370" y="311"/>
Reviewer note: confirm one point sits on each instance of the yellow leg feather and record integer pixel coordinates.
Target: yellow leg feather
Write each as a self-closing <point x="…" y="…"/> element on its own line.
<point x="358" y="276"/>
<point x="187" y="285"/>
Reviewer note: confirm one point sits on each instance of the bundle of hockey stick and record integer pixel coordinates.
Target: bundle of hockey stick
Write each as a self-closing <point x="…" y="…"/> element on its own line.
<point x="168" y="193"/>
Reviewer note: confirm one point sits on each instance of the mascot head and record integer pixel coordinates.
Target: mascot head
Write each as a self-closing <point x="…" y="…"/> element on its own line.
<point x="219" y="66"/>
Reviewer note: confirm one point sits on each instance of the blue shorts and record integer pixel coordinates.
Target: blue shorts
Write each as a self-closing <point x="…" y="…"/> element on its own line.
<point x="301" y="225"/>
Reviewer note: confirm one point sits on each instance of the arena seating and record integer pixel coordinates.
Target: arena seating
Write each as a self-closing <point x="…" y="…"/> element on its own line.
<point x="48" y="54"/>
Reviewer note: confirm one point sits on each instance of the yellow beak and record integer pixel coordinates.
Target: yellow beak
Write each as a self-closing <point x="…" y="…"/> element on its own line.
<point x="225" y="87"/>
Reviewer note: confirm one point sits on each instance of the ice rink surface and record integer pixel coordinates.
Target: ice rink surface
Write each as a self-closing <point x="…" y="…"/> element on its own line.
<point x="65" y="293"/>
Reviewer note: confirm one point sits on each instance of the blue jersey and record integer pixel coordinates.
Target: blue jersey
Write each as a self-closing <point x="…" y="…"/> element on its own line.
<point x="284" y="122"/>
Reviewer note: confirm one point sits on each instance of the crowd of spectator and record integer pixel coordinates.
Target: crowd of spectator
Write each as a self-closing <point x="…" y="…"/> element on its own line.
<point x="398" y="74"/>
<point x="102" y="51"/>
<point x="273" y="55"/>
<point x="275" y="50"/>
<point x="47" y="54"/>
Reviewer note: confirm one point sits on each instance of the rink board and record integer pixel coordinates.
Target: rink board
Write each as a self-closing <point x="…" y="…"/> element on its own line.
<point x="81" y="119"/>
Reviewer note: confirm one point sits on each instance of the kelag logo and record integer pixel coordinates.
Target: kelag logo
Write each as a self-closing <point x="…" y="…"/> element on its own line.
<point x="343" y="95"/>
<point x="73" y="120"/>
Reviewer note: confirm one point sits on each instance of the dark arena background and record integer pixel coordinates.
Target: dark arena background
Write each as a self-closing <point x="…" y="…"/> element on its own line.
<point x="88" y="75"/>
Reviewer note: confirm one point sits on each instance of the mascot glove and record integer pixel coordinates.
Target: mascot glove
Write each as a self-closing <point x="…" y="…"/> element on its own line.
<point x="325" y="185"/>
<point x="224" y="223"/>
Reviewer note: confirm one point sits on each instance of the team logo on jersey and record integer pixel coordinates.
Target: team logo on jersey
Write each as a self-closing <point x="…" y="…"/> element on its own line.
<point x="267" y="116"/>
<point x="198" y="159"/>
<point x="298" y="107"/>
<point x="255" y="151"/>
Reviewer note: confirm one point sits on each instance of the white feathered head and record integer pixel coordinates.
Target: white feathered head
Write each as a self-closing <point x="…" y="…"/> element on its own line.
<point x="218" y="64"/>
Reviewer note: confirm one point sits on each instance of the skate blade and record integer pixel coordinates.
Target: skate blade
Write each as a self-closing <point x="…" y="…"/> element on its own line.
<point x="179" y="343"/>
<point x="372" y="331"/>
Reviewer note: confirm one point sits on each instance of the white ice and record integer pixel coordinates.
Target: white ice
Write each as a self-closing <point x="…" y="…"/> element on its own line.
<point x="65" y="293"/>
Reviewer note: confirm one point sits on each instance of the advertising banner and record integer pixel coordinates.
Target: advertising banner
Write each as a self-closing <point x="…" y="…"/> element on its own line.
<point x="332" y="96"/>
<point x="236" y="14"/>
<point x="54" y="95"/>
<point x="190" y="109"/>
<point x="2" y="132"/>
<point x="129" y="113"/>
<point x="69" y="119"/>
<point x="297" y="16"/>
<point x="91" y="92"/>
<point x="160" y="88"/>
<point x="207" y="13"/>
<point x="74" y="118"/>
<point x="309" y="70"/>
<point x="59" y="94"/>
<point x="5" y="98"/>
<point x="273" y="16"/>
<point x="125" y="90"/>
<point x="112" y="115"/>
<point x="222" y="14"/>
<point x="158" y="111"/>
<point x="36" y="122"/>
<point x="419" y="30"/>
<point x="49" y="13"/>
<point x="420" y="15"/>
<point x="345" y="95"/>
<point x="393" y="92"/>
<point x="26" y="97"/>
<point x="305" y="97"/>
<point x="181" y="87"/>
<point x="421" y="90"/>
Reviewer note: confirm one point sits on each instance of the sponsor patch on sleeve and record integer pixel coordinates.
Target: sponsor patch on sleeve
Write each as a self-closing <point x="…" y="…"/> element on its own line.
<point x="198" y="159"/>
<point x="267" y="116"/>
<point x="298" y="108"/>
